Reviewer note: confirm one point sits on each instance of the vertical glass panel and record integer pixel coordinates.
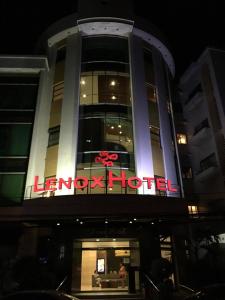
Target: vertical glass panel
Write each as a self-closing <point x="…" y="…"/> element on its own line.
<point x="149" y="68"/>
<point x="105" y="109"/>
<point x="11" y="187"/>
<point x="15" y="139"/>
<point x="104" y="49"/>
<point x="18" y="92"/>
<point x="104" y="87"/>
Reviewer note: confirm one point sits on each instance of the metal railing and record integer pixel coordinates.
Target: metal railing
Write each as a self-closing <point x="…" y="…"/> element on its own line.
<point x="152" y="292"/>
<point x="105" y="189"/>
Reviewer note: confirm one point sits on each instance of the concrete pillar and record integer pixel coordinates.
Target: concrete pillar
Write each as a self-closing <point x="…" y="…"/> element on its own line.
<point x="141" y="131"/>
<point x="165" y="125"/>
<point x="68" y="141"/>
<point x="36" y="166"/>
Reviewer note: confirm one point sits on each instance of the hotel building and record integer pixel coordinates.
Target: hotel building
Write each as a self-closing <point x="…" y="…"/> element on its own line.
<point x="89" y="166"/>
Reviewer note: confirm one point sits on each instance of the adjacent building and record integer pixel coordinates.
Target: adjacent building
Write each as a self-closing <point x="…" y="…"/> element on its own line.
<point x="202" y="97"/>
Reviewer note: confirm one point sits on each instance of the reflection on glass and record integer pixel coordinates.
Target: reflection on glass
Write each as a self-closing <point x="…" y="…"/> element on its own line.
<point x="104" y="87"/>
<point x="105" y="111"/>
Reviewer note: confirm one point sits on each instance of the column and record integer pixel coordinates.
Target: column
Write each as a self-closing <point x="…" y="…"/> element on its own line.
<point x="141" y="131"/>
<point x="67" y="153"/>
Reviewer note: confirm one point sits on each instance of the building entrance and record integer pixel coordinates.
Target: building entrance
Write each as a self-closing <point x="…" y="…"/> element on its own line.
<point x="105" y="265"/>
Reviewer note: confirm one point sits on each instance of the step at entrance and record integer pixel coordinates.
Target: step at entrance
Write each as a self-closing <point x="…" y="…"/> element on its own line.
<point x="111" y="296"/>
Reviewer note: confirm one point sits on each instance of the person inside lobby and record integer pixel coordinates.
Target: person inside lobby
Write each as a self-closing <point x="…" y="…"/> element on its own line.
<point x="122" y="274"/>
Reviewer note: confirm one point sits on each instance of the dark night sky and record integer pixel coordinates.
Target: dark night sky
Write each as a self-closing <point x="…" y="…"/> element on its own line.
<point x="190" y="26"/>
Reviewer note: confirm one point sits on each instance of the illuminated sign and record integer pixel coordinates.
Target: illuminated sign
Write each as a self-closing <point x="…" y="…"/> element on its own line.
<point x="82" y="182"/>
<point x="106" y="159"/>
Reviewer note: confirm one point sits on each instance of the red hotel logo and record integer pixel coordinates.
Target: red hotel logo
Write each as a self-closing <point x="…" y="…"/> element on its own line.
<point x="106" y="159"/>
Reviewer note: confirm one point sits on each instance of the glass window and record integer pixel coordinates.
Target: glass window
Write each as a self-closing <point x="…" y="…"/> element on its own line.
<point x="104" y="49"/>
<point x="186" y="172"/>
<point x="53" y="136"/>
<point x="192" y="209"/>
<point x="10" y="116"/>
<point x="105" y="109"/>
<point x="149" y="68"/>
<point x="18" y="92"/>
<point x="13" y="164"/>
<point x="12" y="187"/>
<point x="15" y="139"/>
<point x="113" y="134"/>
<point x="181" y="138"/>
<point x="61" y="54"/>
<point x="104" y="87"/>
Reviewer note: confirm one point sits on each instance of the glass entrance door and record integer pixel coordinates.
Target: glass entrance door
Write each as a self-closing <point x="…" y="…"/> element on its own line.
<point x="105" y="265"/>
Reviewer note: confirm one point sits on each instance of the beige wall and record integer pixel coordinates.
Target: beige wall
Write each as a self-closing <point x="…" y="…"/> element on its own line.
<point x="51" y="161"/>
<point x="55" y="115"/>
<point x="88" y="268"/>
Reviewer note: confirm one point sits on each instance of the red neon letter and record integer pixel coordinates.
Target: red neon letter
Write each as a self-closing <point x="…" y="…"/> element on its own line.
<point x="48" y="184"/>
<point x="36" y="189"/>
<point x="169" y="185"/>
<point x="97" y="181"/>
<point x="83" y="182"/>
<point x="66" y="183"/>
<point x="161" y="184"/>
<point x="149" y="181"/>
<point x="111" y="179"/>
<point x="139" y="182"/>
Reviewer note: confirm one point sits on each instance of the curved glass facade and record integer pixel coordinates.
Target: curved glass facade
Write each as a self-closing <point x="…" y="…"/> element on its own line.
<point x="105" y="113"/>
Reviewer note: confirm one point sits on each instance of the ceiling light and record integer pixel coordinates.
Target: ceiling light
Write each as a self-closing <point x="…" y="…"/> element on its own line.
<point x="81" y="222"/>
<point x="120" y="132"/>
<point x="135" y="219"/>
<point x="110" y="189"/>
<point x="106" y="222"/>
<point x="83" y="82"/>
<point x="119" y="126"/>
<point x="84" y="96"/>
<point x="113" y="97"/>
<point x="77" y="220"/>
<point x="114" y="240"/>
<point x="130" y="222"/>
<point x="112" y="127"/>
<point x="58" y="224"/>
<point x="113" y="83"/>
<point x="97" y="240"/>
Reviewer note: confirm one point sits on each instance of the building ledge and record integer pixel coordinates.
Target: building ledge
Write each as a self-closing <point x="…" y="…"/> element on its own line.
<point x="202" y="135"/>
<point x="23" y="64"/>
<point x="96" y="206"/>
<point x="207" y="173"/>
<point x="190" y="104"/>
